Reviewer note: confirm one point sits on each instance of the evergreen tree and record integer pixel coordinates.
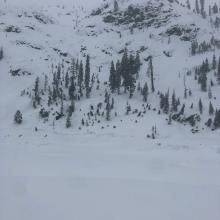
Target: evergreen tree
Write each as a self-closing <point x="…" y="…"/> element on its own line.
<point x="174" y="103"/>
<point x="188" y="4"/>
<point x="118" y="76"/>
<point x="36" y="93"/>
<point x="112" y="77"/>
<point x="131" y="76"/>
<point x="125" y="70"/>
<point x="71" y="108"/>
<point x="61" y="106"/>
<point x="200" y="106"/>
<point x="87" y="76"/>
<point x="211" y="109"/>
<point x="18" y="119"/>
<point x="116" y="7"/>
<point x="1" y="53"/>
<point x="108" y="108"/>
<point x="203" y="81"/>
<point x="218" y="72"/>
<point x="210" y="10"/>
<point x="137" y="63"/>
<point x="54" y="94"/>
<point x="170" y="119"/>
<point x="197" y="7"/>
<point x="80" y="79"/>
<point x="214" y="62"/>
<point x="68" y="121"/>
<point x="151" y="74"/>
<point x="185" y="93"/>
<point x="145" y="92"/>
<point x="202" y="3"/>
<point x="73" y="69"/>
<point x="166" y="103"/>
<point x="128" y="109"/>
<point x="194" y="47"/>
<point x="72" y="89"/>
<point x="45" y="83"/>
<point x="66" y="80"/>
<point x="112" y="104"/>
<point x="215" y="8"/>
<point x="162" y="101"/>
<point x="50" y="101"/>
<point x="217" y="119"/>
<point x="210" y="93"/>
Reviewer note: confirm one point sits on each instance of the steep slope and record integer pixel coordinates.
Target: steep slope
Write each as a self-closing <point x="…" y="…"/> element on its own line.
<point x="138" y="165"/>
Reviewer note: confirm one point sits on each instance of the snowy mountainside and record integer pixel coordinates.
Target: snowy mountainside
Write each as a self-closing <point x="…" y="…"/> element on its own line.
<point x="167" y="37"/>
<point x="117" y="156"/>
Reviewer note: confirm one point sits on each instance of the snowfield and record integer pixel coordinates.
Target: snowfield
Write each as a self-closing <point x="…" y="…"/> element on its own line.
<point x="109" y="175"/>
<point x="109" y="171"/>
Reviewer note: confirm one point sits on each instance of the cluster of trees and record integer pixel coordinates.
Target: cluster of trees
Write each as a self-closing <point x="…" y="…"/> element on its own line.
<point x="213" y="9"/>
<point x="217" y="119"/>
<point x="200" y="7"/>
<point x="133" y="14"/>
<point x="165" y="104"/>
<point x="18" y="119"/>
<point x="206" y="67"/>
<point x="124" y="73"/>
<point x="70" y="85"/>
<point x="67" y="85"/>
<point x="216" y="22"/>
<point x="197" y="48"/>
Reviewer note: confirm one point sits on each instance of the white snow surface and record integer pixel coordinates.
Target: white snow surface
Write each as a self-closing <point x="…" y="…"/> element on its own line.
<point x="93" y="173"/>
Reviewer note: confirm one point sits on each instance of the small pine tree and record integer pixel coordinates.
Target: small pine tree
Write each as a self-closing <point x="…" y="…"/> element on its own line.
<point x="112" y="77"/>
<point x="108" y="110"/>
<point x="80" y="79"/>
<point x="151" y="75"/>
<point x="87" y="76"/>
<point x="18" y="118"/>
<point x="211" y="109"/>
<point x="36" y="92"/>
<point x="217" y="119"/>
<point x="203" y="81"/>
<point x="118" y="76"/>
<point x="166" y="103"/>
<point x="188" y="4"/>
<point x="174" y="103"/>
<point x="185" y="93"/>
<point x="214" y="63"/>
<point x="128" y="108"/>
<point x="137" y="63"/>
<point x="200" y="106"/>
<point x="170" y="119"/>
<point x="197" y="7"/>
<point x="67" y="80"/>
<point x="1" y="53"/>
<point x="116" y="7"/>
<point x="68" y="121"/>
<point x="112" y="104"/>
<point x="45" y="83"/>
<point x="218" y="72"/>
<point x="145" y="92"/>
<point x="210" y="93"/>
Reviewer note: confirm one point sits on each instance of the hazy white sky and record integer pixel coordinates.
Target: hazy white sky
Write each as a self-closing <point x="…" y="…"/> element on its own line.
<point x="86" y="3"/>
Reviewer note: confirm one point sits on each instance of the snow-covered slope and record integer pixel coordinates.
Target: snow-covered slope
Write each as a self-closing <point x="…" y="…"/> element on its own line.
<point x="108" y="169"/>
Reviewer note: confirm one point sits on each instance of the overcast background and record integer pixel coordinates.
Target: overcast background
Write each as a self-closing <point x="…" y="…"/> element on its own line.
<point x="86" y="3"/>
